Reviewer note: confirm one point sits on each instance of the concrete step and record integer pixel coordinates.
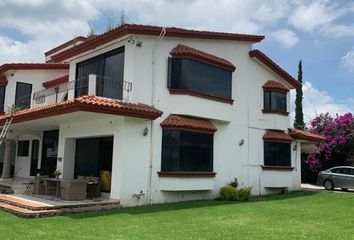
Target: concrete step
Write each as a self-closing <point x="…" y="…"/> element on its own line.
<point x="29" y="209"/>
<point x="23" y="212"/>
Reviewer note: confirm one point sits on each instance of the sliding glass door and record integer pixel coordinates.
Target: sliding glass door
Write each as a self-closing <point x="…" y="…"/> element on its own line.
<point x="109" y="67"/>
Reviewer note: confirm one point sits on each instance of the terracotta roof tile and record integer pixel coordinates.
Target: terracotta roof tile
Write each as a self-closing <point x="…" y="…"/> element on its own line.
<point x="183" y="51"/>
<point x="188" y="123"/>
<point x="89" y="104"/>
<point x="274" y="85"/>
<point x="275" y="67"/>
<point x="66" y="44"/>
<point x="152" y="31"/>
<point x="56" y="82"/>
<point x="304" y="135"/>
<point x="30" y="66"/>
<point x="276" y="135"/>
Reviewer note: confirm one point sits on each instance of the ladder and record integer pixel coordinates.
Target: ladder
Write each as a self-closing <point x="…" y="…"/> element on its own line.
<point x="4" y="129"/>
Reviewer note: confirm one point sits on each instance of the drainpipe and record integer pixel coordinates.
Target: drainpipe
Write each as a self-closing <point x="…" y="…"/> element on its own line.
<point x="159" y="39"/>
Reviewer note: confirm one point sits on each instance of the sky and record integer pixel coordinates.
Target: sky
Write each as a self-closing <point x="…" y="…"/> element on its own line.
<point x="319" y="32"/>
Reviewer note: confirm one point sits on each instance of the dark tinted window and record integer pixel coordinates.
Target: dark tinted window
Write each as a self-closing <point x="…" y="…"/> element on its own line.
<point x="341" y="170"/>
<point x="2" y="98"/>
<point x="23" y="95"/>
<point x="186" y="151"/>
<point x="275" y="101"/>
<point x="277" y="154"/>
<point x="109" y="67"/>
<point x="22" y="148"/>
<point x="196" y="76"/>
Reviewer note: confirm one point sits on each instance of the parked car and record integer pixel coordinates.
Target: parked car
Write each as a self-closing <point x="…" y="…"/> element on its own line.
<point x="337" y="177"/>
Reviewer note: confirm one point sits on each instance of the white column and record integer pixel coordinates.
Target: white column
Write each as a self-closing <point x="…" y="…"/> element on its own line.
<point x="6" y="169"/>
<point x="92" y="84"/>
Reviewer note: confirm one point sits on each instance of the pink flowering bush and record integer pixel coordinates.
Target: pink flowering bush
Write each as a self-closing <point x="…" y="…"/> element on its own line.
<point x="339" y="142"/>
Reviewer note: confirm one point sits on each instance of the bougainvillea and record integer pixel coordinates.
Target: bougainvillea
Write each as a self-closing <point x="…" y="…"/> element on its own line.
<point x="339" y="142"/>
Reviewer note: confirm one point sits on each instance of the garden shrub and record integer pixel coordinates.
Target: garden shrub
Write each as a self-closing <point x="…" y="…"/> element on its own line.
<point x="245" y="193"/>
<point x="229" y="193"/>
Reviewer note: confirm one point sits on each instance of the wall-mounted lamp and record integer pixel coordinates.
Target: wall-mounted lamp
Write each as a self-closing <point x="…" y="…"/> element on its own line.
<point x="295" y="147"/>
<point x="145" y="131"/>
<point x="134" y="40"/>
<point x="241" y="142"/>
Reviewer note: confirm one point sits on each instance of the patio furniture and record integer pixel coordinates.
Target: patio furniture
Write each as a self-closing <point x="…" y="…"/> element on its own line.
<point x="28" y="186"/>
<point x="39" y="188"/>
<point x="93" y="189"/>
<point x="73" y="189"/>
<point x="52" y="187"/>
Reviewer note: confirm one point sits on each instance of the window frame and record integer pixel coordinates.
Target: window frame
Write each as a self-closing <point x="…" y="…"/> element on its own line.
<point x="27" y="145"/>
<point x="286" y="166"/>
<point x="192" y="92"/>
<point x="267" y="107"/>
<point x="2" y="100"/>
<point x="100" y="60"/>
<point x="183" y="172"/>
<point x="16" y="94"/>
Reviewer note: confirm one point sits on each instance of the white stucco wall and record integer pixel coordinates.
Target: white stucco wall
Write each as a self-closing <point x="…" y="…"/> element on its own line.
<point x="23" y="163"/>
<point x="34" y="77"/>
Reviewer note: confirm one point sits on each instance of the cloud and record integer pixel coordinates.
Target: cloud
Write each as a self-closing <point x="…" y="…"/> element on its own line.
<point x="347" y="60"/>
<point x="319" y="16"/>
<point x="45" y="23"/>
<point x="286" y="37"/>
<point x="316" y="102"/>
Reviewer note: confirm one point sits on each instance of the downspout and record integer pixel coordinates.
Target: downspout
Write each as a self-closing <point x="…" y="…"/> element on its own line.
<point x="159" y="39"/>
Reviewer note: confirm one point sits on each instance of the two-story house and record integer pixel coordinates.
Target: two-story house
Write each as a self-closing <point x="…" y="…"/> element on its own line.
<point x="168" y="114"/>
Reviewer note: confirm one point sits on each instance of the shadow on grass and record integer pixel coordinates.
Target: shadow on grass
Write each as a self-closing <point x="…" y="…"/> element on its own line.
<point x="167" y="207"/>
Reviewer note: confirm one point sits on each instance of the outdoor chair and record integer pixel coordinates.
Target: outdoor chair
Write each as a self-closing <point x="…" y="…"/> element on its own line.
<point x="73" y="189"/>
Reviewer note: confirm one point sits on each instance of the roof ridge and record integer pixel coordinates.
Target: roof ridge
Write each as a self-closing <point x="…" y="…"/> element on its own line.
<point x="151" y="30"/>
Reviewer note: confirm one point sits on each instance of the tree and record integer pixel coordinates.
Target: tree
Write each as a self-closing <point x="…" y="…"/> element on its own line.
<point x="299" y="115"/>
<point x="92" y="32"/>
<point x="338" y="146"/>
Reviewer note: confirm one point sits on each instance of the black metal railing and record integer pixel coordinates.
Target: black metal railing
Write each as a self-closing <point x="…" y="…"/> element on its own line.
<point x="81" y="88"/>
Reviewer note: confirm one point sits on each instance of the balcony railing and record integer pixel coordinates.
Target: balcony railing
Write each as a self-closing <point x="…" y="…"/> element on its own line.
<point x="86" y="86"/>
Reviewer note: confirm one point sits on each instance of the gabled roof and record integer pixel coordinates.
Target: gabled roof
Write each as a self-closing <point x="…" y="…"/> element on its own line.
<point x="275" y="68"/>
<point x="304" y="135"/>
<point x="66" y="44"/>
<point x="86" y="104"/>
<point x="183" y="51"/>
<point x="274" y="85"/>
<point x="188" y="123"/>
<point x="30" y="66"/>
<point x="154" y="31"/>
<point x="277" y="136"/>
<point x="56" y="82"/>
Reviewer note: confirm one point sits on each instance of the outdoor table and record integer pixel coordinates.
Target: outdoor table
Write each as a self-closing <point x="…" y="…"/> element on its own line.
<point x="28" y="186"/>
<point x="52" y="181"/>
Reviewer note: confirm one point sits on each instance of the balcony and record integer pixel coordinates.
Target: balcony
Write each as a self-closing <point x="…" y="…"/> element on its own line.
<point x="93" y="85"/>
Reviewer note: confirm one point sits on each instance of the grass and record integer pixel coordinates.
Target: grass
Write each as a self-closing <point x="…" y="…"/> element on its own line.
<point x="298" y="215"/>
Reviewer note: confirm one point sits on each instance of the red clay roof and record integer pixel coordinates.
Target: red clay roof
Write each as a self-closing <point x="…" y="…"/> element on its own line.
<point x="29" y="66"/>
<point x="275" y="68"/>
<point x="277" y="136"/>
<point x="304" y="135"/>
<point x="274" y="85"/>
<point x="64" y="45"/>
<point x="154" y="31"/>
<point x="56" y="82"/>
<point x="3" y="81"/>
<point x="87" y="104"/>
<point x="188" y="123"/>
<point x="183" y="51"/>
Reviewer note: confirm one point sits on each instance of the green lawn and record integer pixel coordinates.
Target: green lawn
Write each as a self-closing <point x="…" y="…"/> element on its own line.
<point x="301" y="215"/>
